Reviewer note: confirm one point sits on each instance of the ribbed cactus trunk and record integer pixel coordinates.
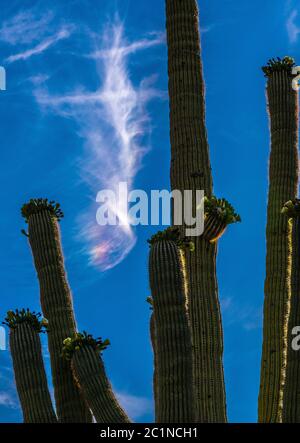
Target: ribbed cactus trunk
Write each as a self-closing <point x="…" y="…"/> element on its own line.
<point x="89" y="372"/>
<point x="283" y="183"/>
<point x="174" y="370"/>
<point x="30" y="375"/>
<point x="291" y="398"/>
<point x="56" y="302"/>
<point x="191" y="170"/>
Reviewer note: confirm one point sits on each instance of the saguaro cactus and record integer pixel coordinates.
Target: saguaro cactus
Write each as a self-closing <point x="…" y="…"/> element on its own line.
<point x="173" y="345"/>
<point x="191" y="170"/>
<point x="291" y="395"/>
<point x="44" y="238"/>
<point x="28" y="366"/>
<point x="283" y="183"/>
<point x="84" y="352"/>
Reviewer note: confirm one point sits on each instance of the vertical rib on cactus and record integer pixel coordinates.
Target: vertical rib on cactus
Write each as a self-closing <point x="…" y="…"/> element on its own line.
<point x="191" y="170"/>
<point x="30" y="376"/>
<point x="154" y="348"/>
<point x="44" y="238"/>
<point x="283" y="183"/>
<point x="291" y="396"/>
<point x="174" y="371"/>
<point x="89" y="372"/>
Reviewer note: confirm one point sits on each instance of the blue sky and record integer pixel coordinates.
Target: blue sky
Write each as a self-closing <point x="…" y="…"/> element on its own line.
<point x="86" y="106"/>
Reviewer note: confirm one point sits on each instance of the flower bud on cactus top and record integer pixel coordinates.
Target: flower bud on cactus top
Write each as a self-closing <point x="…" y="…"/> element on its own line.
<point x="73" y="344"/>
<point x="36" y="205"/>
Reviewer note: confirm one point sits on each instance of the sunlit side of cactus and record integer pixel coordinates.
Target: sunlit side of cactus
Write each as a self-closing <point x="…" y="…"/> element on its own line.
<point x="291" y="395"/>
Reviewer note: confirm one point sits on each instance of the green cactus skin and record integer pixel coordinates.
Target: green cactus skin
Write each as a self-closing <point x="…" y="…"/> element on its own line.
<point x="30" y="376"/>
<point x="174" y="371"/>
<point x="56" y="302"/>
<point x="291" y="397"/>
<point x="89" y="372"/>
<point x="190" y="169"/>
<point x="283" y="183"/>
<point x="154" y="348"/>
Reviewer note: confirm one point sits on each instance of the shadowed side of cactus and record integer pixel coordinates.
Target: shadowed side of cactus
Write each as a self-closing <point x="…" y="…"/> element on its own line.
<point x="291" y="396"/>
<point x="84" y="352"/>
<point x="283" y="183"/>
<point x="30" y="376"/>
<point x="173" y="344"/>
<point x="191" y="170"/>
<point x="56" y="301"/>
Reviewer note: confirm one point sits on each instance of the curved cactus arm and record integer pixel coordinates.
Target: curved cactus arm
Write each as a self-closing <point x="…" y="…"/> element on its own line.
<point x="291" y="395"/>
<point x="30" y="376"/>
<point x="89" y="373"/>
<point x="56" y="301"/>
<point x="191" y="170"/>
<point x="173" y="344"/>
<point x="283" y="184"/>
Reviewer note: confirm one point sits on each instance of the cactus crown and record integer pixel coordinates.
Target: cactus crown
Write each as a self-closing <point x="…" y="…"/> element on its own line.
<point x="291" y="208"/>
<point x="221" y="208"/>
<point x="35" y="320"/>
<point x="73" y="344"/>
<point x="36" y="205"/>
<point x="172" y="234"/>
<point x="278" y="64"/>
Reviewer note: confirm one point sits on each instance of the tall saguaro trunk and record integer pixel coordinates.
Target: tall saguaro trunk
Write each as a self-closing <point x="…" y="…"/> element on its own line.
<point x="191" y="170"/>
<point x="283" y="183"/>
<point x="30" y="375"/>
<point x="56" y="301"/>
<point x="173" y="344"/>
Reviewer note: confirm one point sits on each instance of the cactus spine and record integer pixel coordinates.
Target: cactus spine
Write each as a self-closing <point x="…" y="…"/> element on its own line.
<point x="174" y="371"/>
<point x="89" y="372"/>
<point x="291" y="396"/>
<point x="190" y="169"/>
<point x="56" y="301"/>
<point x="30" y="376"/>
<point x="283" y="183"/>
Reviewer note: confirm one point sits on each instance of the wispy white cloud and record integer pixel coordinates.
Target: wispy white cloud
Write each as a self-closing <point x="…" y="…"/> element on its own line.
<point x="292" y="28"/>
<point x="25" y="27"/>
<point x="113" y="122"/>
<point x="123" y="51"/>
<point x="134" y="406"/>
<point x="38" y="79"/>
<point x="41" y="47"/>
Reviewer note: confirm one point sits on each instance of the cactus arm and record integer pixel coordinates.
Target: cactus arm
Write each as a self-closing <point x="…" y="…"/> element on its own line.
<point x="191" y="170"/>
<point x="30" y="376"/>
<point x="89" y="372"/>
<point x="56" y="302"/>
<point x="174" y="371"/>
<point x="283" y="183"/>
